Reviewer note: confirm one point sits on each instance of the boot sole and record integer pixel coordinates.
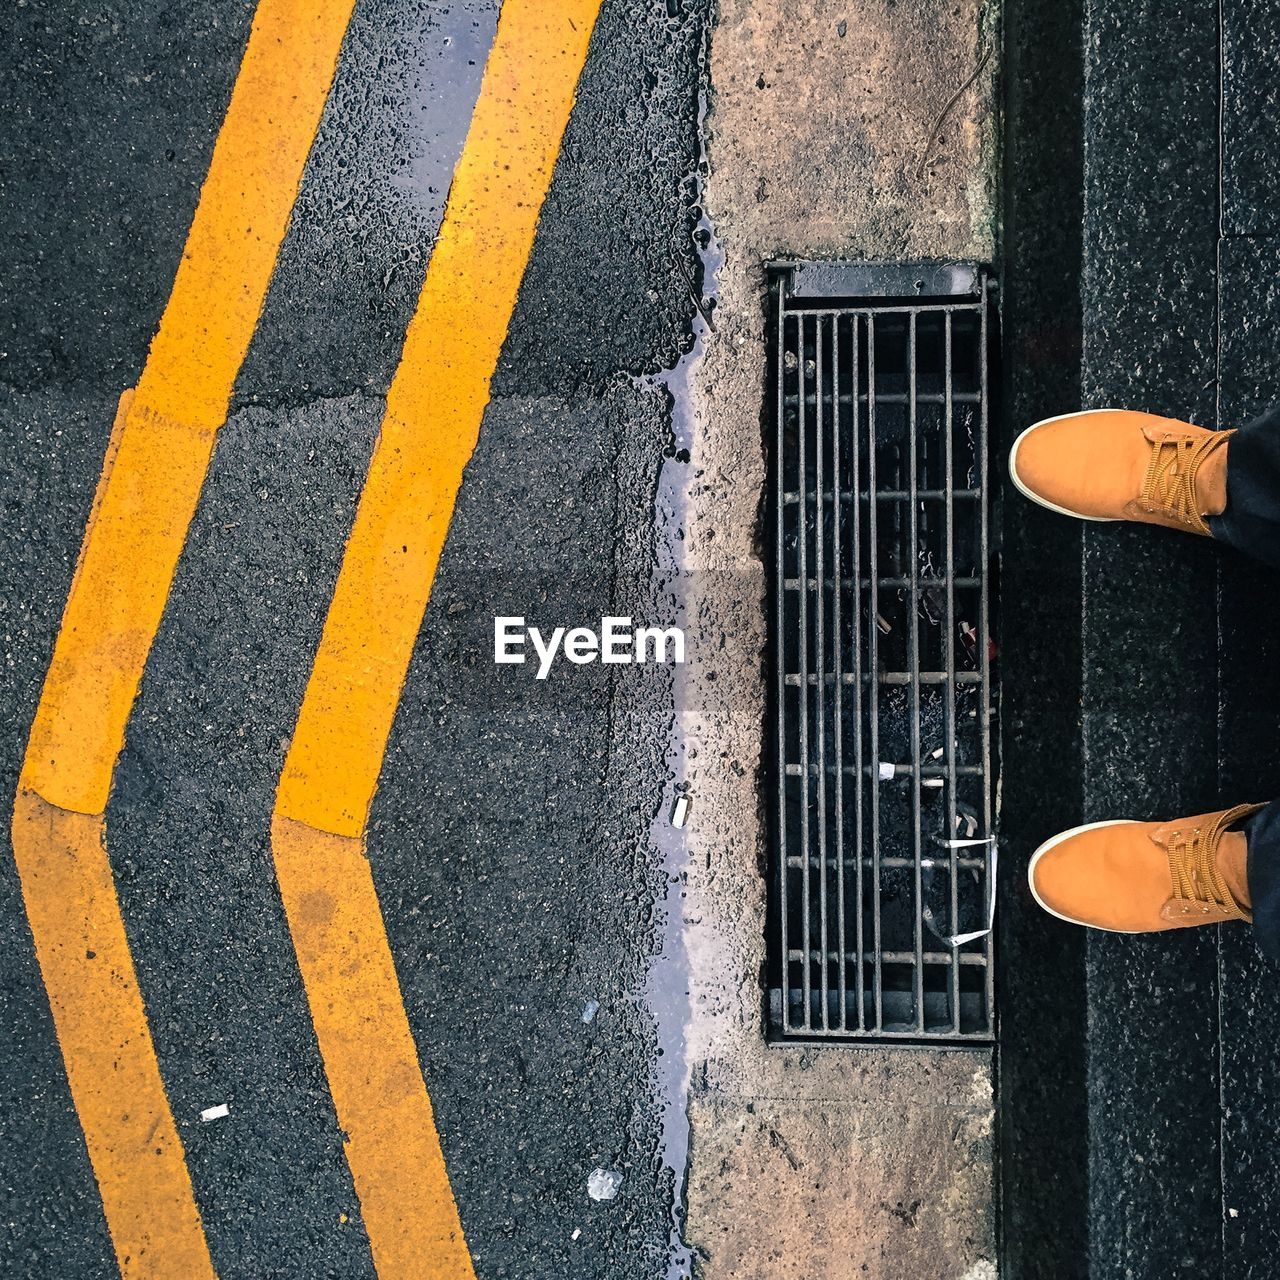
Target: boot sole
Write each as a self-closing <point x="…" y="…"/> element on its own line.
<point x="1051" y="844"/>
<point x="1035" y="497"/>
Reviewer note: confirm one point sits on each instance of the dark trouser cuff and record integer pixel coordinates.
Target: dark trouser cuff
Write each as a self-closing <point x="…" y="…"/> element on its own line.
<point x="1251" y="522"/>
<point x="1262" y="831"/>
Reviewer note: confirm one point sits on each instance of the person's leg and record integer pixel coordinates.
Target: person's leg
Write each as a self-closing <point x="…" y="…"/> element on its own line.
<point x="1251" y="519"/>
<point x="1262" y="831"/>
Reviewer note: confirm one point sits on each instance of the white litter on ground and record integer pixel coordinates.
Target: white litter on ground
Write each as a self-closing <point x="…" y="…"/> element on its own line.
<point x="577" y="1231"/>
<point x="220" y="1112"/>
<point x="680" y="811"/>
<point x="604" y="1184"/>
<point x="590" y="1009"/>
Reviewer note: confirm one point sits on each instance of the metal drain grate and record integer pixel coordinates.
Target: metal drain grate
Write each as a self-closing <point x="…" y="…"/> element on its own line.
<point x="882" y="884"/>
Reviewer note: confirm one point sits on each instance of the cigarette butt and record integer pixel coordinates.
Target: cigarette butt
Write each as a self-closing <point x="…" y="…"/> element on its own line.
<point x="220" y="1112"/>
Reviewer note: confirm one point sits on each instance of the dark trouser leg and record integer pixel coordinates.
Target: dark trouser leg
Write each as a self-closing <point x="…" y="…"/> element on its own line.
<point x="1263" y="833"/>
<point x="1251" y="522"/>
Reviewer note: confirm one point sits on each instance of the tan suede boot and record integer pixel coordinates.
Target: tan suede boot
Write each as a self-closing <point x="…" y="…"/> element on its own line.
<point x="1140" y="877"/>
<point x="1116" y="464"/>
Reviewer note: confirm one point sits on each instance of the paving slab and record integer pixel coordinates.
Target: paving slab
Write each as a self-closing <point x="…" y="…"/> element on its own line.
<point x="1043" y="1153"/>
<point x="822" y="143"/>
<point x="1250" y="109"/>
<point x="1149" y="700"/>
<point x="847" y="1190"/>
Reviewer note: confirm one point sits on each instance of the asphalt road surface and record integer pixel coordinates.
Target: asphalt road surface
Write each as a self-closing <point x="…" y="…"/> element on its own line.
<point x="508" y="840"/>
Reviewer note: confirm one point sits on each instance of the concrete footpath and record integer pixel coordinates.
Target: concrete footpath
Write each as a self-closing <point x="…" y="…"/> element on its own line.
<point x="1138" y="1078"/>
<point x="807" y="1161"/>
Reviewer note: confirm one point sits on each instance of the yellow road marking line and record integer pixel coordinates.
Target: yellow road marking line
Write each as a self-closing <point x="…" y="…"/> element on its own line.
<point x="392" y="1145"/>
<point x="429" y="430"/>
<point x="160" y="450"/>
<point x="102" y="1030"/>
<point x="149" y="493"/>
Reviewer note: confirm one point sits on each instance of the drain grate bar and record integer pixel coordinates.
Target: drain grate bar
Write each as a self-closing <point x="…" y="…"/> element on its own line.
<point x="882" y="833"/>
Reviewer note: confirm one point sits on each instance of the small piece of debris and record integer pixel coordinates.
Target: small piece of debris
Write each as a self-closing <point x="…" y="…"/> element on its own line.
<point x="842" y="29"/>
<point x="1235" y="1213"/>
<point x="883" y="623"/>
<point x="577" y="1231"/>
<point x="590" y="1009"/>
<point x="604" y="1184"/>
<point x="951" y="102"/>
<point x="969" y="637"/>
<point x="680" y="811"/>
<point x="778" y="1141"/>
<point x="220" y="1112"/>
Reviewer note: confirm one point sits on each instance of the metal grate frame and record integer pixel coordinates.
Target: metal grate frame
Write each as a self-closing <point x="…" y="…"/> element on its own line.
<point x="882" y="701"/>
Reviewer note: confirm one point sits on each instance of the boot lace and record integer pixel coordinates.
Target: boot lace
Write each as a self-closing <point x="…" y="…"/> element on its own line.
<point x="1193" y="861"/>
<point x="1169" y="486"/>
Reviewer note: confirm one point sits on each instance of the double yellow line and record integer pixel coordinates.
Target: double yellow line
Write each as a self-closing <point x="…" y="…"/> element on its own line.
<point x="160" y="450"/>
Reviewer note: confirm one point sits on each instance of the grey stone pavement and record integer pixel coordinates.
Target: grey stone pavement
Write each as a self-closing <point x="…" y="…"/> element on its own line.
<point x="1138" y="1077"/>
<point x="1126" y="188"/>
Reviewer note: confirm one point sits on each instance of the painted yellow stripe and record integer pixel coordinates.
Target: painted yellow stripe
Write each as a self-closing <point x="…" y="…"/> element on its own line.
<point x="369" y="1055"/>
<point x="146" y="503"/>
<point x="160" y="450"/>
<point x="429" y="430"/>
<point x="433" y="414"/>
<point x="102" y="1029"/>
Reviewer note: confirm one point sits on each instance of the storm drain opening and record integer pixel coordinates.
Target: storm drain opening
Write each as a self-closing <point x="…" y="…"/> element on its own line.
<point x="883" y="847"/>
